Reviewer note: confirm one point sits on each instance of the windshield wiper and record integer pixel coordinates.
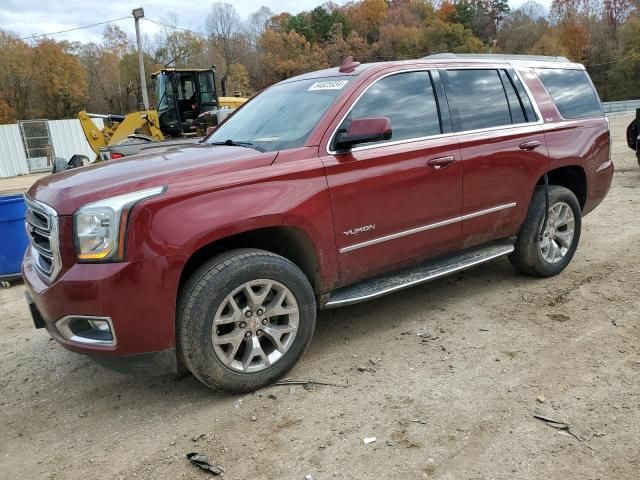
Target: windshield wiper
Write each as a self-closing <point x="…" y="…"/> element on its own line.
<point x="233" y="143"/>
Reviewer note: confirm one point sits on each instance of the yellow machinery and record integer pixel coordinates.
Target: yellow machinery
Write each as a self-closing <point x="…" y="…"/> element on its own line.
<point x="142" y="123"/>
<point x="188" y="104"/>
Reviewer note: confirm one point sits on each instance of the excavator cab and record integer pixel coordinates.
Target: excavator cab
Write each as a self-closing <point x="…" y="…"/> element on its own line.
<point x="187" y="105"/>
<point x="183" y="95"/>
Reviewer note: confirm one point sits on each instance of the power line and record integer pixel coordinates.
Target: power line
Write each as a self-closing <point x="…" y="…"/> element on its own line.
<point x="614" y="61"/>
<point x="76" y="28"/>
<point x="162" y="24"/>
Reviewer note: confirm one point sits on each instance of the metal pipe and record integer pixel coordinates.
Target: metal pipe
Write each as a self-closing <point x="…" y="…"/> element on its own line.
<point x="112" y="117"/>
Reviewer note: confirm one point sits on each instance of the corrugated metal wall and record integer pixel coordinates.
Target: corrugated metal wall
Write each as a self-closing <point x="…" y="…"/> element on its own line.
<point x="13" y="160"/>
<point x="67" y="139"/>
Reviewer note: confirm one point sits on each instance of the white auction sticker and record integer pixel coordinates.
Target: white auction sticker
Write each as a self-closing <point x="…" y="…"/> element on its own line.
<point x="329" y="85"/>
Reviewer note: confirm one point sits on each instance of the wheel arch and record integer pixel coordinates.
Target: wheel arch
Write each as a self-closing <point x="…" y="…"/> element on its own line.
<point x="292" y="243"/>
<point x="572" y="177"/>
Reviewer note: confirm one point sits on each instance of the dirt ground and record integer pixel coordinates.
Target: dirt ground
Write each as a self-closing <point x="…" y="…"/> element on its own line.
<point x="446" y="376"/>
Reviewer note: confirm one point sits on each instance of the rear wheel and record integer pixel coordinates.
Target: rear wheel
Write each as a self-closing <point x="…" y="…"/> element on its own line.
<point x="244" y="319"/>
<point x="547" y="254"/>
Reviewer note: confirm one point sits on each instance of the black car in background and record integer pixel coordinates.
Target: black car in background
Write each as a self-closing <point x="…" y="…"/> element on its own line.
<point x="633" y="135"/>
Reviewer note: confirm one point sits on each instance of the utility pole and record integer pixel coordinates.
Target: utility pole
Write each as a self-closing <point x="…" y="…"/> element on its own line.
<point x="138" y="13"/>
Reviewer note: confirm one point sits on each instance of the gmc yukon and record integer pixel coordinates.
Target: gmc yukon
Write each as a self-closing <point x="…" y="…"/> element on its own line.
<point x="326" y="189"/>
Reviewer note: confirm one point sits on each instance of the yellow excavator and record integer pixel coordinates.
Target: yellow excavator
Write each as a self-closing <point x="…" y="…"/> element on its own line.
<point x="188" y="104"/>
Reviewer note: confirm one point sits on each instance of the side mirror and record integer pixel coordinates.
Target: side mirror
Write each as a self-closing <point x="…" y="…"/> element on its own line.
<point x="364" y="130"/>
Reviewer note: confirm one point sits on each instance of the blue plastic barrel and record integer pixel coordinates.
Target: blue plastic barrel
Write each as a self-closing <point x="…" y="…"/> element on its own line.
<point x="13" y="237"/>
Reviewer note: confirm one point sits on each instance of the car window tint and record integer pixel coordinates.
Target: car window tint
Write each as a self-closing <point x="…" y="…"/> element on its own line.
<point x="572" y="92"/>
<point x="407" y="99"/>
<point x="479" y="99"/>
<point x="517" y="112"/>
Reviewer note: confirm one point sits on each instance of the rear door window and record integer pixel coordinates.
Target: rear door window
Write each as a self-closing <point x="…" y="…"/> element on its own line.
<point x="479" y="99"/>
<point x="572" y="92"/>
<point x="407" y="99"/>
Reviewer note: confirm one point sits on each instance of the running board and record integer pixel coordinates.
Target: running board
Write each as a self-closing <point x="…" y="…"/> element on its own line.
<point x="400" y="280"/>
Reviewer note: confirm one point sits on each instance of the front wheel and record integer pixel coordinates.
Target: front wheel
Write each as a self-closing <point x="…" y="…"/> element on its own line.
<point x="548" y="253"/>
<point x="244" y="319"/>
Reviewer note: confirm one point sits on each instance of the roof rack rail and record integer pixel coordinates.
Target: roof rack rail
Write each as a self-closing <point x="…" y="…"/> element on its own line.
<point x="497" y="56"/>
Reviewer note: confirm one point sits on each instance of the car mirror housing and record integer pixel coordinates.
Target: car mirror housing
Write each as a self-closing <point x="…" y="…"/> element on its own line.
<point x="364" y="130"/>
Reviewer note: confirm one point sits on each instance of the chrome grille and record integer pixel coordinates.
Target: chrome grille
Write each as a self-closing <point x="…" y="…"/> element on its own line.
<point x="42" y="227"/>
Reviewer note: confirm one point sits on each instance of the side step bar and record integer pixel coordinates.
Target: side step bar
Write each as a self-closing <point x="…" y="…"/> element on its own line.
<point x="400" y="280"/>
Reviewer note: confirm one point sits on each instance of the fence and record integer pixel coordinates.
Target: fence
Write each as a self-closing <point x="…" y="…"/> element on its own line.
<point x="19" y="155"/>
<point x="624" y="106"/>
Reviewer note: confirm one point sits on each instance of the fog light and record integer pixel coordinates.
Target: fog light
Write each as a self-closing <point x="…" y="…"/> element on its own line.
<point x="87" y="330"/>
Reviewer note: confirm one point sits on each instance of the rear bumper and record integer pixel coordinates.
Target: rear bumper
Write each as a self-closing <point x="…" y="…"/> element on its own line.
<point x="138" y="298"/>
<point x="598" y="184"/>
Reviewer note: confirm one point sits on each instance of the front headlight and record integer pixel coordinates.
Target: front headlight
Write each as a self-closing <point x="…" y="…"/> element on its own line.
<point x="100" y="227"/>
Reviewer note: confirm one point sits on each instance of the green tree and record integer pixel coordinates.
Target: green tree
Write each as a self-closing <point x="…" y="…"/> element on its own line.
<point x="450" y="37"/>
<point x="300" y="24"/>
<point x="626" y="71"/>
<point x="522" y="29"/>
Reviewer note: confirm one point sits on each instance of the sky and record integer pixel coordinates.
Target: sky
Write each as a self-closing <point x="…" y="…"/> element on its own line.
<point x="30" y="17"/>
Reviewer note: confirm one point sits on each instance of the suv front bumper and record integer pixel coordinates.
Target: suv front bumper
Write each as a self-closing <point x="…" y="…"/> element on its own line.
<point x="131" y="305"/>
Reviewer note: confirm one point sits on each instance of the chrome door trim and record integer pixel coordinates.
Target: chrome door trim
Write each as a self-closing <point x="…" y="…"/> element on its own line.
<point x="424" y="228"/>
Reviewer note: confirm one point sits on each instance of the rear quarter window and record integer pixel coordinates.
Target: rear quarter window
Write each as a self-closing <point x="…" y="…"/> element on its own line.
<point x="572" y="92"/>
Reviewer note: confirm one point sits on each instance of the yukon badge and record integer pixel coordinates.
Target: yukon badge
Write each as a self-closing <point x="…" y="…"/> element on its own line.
<point x="359" y="230"/>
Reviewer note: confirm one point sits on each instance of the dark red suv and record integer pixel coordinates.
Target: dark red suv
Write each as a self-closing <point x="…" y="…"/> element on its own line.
<point x="326" y="189"/>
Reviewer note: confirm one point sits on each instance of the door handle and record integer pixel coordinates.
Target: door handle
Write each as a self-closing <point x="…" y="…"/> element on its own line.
<point x="532" y="145"/>
<point x="441" y="162"/>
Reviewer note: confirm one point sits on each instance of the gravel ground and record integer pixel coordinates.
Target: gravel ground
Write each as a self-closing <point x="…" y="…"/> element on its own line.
<point x="447" y="377"/>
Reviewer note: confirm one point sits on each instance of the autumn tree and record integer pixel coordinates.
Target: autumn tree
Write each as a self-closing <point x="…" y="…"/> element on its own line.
<point x="366" y="16"/>
<point x="61" y="81"/>
<point x="285" y="54"/>
<point x="340" y="46"/>
<point x="571" y="20"/>
<point x="18" y="75"/>
<point x="269" y="46"/>
<point x="238" y="81"/>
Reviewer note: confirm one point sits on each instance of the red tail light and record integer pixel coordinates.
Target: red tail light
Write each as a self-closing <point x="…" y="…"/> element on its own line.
<point x="114" y="155"/>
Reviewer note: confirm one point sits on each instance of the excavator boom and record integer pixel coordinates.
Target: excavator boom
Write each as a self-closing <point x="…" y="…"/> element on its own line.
<point x="142" y="123"/>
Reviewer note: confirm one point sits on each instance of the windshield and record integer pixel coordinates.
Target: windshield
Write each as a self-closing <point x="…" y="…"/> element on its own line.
<point x="283" y="116"/>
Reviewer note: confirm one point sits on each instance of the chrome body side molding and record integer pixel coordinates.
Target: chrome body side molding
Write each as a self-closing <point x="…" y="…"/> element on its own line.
<point x="424" y="228"/>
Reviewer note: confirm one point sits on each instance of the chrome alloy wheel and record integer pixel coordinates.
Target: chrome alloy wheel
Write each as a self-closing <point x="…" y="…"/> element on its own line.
<point x="558" y="234"/>
<point x="255" y="325"/>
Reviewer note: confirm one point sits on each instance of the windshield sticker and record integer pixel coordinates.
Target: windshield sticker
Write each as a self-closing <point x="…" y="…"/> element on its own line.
<point x="329" y="85"/>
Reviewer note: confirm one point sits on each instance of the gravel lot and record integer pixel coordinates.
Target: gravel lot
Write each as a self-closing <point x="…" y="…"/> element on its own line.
<point x="446" y="376"/>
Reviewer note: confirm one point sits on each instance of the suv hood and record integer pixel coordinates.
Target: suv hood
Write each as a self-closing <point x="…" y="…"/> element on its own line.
<point x="68" y="191"/>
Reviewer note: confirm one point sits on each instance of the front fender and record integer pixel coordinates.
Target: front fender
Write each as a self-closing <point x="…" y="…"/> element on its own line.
<point x="182" y="224"/>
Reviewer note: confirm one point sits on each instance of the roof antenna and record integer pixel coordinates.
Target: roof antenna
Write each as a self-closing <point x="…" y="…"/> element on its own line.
<point x="348" y="65"/>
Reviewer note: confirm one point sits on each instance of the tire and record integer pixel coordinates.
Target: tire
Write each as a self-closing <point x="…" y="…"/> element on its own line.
<point x="533" y="254"/>
<point x="208" y="296"/>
